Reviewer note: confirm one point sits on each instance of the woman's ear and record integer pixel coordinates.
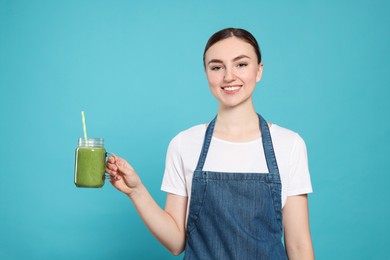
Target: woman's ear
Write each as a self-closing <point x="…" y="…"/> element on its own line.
<point x="259" y="72"/>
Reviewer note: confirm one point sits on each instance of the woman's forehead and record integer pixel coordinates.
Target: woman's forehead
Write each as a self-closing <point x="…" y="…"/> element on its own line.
<point x="229" y="49"/>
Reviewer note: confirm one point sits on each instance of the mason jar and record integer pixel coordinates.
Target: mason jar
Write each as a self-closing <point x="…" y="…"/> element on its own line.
<point x="90" y="163"/>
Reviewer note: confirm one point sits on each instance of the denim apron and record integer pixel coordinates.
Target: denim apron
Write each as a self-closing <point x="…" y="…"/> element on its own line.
<point x="235" y="215"/>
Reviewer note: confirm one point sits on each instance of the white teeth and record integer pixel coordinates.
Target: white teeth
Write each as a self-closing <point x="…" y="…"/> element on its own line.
<point x="232" y="88"/>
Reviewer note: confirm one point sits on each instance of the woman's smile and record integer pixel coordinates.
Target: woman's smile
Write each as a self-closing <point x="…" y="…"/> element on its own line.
<point x="231" y="89"/>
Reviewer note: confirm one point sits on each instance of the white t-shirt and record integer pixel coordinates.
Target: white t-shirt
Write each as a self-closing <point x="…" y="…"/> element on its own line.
<point x="224" y="156"/>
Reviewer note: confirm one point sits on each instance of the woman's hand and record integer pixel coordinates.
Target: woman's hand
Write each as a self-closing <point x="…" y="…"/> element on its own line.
<point x="123" y="176"/>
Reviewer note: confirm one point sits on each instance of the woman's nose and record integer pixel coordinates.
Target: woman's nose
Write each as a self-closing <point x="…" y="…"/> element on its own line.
<point x="229" y="75"/>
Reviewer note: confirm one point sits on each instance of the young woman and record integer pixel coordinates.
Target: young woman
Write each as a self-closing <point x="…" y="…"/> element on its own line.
<point x="235" y="184"/>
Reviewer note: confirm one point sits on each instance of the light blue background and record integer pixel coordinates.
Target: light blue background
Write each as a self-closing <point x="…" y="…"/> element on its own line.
<point x="135" y="68"/>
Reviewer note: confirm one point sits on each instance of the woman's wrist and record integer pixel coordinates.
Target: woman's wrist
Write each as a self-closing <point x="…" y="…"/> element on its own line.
<point x="136" y="191"/>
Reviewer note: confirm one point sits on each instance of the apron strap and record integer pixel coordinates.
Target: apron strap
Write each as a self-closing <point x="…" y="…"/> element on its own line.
<point x="267" y="146"/>
<point x="206" y="145"/>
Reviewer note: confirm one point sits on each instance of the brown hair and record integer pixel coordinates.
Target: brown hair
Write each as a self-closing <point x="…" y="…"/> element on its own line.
<point x="233" y="32"/>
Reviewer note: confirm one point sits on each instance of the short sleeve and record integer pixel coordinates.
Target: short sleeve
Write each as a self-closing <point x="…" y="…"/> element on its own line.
<point x="174" y="176"/>
<point x="299" y="177"/>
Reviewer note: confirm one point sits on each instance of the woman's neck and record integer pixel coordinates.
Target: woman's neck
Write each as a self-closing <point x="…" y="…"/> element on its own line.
<point x="237" y="124"/>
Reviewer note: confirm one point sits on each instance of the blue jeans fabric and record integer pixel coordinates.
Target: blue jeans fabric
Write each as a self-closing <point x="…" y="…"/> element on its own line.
<point x="235" y="215"/>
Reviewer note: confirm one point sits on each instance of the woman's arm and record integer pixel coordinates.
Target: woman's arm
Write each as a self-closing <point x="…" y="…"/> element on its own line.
<point x="168" y="225"/>
<point x="297" y="237"/>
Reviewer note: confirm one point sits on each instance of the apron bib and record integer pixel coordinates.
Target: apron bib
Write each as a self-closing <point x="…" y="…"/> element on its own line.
<point x="235" y="215"/>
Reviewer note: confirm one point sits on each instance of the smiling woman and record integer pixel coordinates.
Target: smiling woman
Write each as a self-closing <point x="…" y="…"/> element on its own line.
<point x="232" y="71"/>
<point x="249" y="183"/>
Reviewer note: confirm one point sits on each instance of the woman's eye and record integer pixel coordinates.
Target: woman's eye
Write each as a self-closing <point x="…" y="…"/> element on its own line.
<point x="240" y="65"/>
<point x="216" y="68"/>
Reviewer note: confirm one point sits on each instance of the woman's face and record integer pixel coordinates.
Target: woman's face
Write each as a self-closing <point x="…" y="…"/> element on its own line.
<point x="232" y="71"/>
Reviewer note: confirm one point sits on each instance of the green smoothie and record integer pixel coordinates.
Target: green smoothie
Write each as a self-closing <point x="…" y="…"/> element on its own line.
<point x="90" y="167"/>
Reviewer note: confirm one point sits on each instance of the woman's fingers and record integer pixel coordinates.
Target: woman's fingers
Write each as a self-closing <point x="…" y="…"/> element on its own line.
<point x="122" y="174"/>
<point x="111" y="166"/>
<point x="116" y="167"/>
<point x="111" y="172"/>
<point x="124" y="167"/>
<point x="111" y="159"/>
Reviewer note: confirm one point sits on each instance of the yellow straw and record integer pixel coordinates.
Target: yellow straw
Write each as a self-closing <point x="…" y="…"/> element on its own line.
<point x="84" y="125"/>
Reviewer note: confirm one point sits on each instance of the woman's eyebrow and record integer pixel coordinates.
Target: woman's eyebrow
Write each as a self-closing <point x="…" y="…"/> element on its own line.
<point x="214" y="61"/>
<point x="240" y="57"/>
<point x="235" y="59"/>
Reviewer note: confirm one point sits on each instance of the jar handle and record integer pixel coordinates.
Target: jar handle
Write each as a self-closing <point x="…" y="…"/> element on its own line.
<point x="108" y="176"/>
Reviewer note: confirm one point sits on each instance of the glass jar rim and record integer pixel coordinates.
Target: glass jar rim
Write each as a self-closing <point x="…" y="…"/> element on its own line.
<point x="91" y="142"/>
